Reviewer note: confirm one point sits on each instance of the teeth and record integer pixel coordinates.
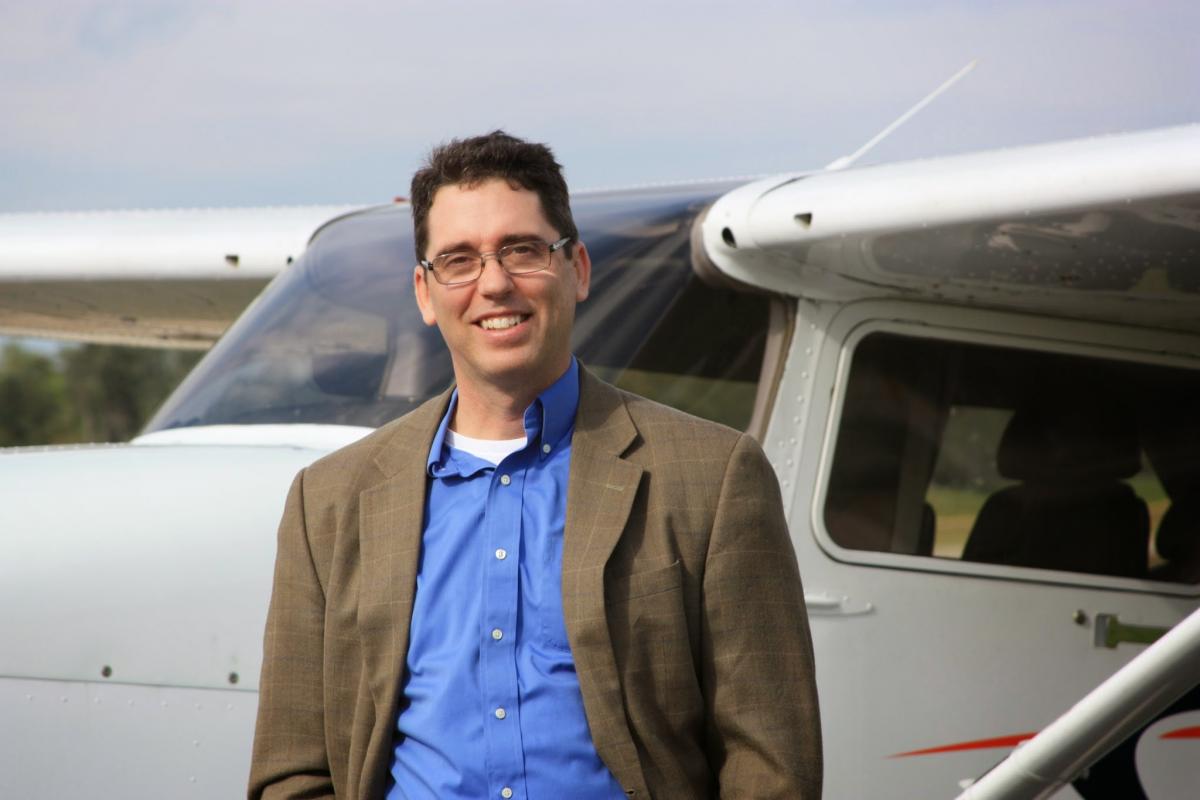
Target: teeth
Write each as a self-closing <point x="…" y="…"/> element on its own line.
<point x="500" y="323"/>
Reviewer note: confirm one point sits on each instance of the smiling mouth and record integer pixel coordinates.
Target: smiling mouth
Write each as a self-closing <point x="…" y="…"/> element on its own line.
<point x="502" y="323"/>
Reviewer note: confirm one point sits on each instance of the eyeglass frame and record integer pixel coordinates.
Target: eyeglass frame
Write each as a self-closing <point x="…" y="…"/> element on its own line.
<point x="552" y="248"/>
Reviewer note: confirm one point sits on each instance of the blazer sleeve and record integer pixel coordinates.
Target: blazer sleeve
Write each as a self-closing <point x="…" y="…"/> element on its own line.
<point x="764" y="732"/>
<point x="290" y="757"/>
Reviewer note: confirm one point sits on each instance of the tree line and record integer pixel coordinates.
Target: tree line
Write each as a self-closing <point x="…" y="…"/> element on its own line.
<point x="85" y="393"/>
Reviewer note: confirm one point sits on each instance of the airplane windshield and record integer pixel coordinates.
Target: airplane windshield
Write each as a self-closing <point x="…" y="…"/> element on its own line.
<point x="338" y="339"/>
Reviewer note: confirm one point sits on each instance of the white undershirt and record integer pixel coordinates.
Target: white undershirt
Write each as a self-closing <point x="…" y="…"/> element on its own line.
<point x="491" y="450"/>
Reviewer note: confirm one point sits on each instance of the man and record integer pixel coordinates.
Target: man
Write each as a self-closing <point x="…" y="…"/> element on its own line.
<point x="534" y="585"/>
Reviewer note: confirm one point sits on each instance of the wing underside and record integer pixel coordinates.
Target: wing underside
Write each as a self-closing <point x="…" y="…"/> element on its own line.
<point x="173" y="278"/>
<point x="1103" y="228"/>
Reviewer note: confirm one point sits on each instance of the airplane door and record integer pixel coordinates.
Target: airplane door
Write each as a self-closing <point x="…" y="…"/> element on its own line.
<point x="990" y="519"/>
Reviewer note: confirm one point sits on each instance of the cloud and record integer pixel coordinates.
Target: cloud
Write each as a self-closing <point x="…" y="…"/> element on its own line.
<point x="186" y="101"/>
<point x="124" y="28"/>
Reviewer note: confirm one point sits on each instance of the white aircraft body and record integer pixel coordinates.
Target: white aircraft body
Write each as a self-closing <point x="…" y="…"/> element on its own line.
<point x="976" y="378"/>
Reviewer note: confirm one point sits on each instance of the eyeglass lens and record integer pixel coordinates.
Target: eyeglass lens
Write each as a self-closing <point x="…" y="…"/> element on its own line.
<point x="517" y="258"/>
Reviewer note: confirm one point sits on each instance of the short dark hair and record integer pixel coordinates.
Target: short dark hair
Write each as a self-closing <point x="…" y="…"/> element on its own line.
<point x="469" y="162"/>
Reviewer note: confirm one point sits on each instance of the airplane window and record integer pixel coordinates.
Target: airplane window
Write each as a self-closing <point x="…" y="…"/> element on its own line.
<point x="338" y="339"/>
<point x="1027" y="458"/>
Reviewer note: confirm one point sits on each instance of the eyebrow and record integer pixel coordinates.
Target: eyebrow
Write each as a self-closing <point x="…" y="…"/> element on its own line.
<point x="512" y="238"/>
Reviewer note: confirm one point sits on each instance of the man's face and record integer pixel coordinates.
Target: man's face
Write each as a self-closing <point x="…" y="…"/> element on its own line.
<point x="506" y="332"/>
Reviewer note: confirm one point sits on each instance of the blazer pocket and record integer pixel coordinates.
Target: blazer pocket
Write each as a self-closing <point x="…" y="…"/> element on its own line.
<point x="624" y="588"/>
<point x="648" y="627"/>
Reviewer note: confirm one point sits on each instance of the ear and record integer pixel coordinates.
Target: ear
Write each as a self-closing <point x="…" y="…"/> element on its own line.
<point x="421" y="290"/>
<point x="583" y="271"/>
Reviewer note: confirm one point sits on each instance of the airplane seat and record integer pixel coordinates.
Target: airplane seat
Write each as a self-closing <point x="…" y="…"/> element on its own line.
<point x="1072" y="511"/>
<point x="860" y="508"/>
<point x="1178" y="541"/>
<point x="928" y="527"/>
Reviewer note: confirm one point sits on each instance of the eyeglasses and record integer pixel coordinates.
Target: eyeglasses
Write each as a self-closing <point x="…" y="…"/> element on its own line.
<point x="520" y="258"/>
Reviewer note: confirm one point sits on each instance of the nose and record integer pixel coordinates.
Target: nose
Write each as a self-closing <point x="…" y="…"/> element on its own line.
<point x="493" y="281"/>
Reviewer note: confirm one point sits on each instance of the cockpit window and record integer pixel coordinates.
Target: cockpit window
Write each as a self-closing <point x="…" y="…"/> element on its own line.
<point x="1025" y="458"/>
<point x="338" y="338"/>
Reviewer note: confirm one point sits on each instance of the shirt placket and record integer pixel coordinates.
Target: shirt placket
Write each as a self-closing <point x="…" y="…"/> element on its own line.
<point x="506" y="763"/>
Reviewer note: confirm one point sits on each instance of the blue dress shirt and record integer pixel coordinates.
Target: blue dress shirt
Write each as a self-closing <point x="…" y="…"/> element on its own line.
<point x="490" y="705"/>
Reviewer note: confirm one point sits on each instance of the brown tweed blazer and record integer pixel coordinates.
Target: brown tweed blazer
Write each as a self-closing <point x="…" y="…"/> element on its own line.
<point x="681" y="595"/>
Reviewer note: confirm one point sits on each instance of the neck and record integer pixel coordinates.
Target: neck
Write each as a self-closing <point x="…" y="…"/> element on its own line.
<point x="495" y="409"/>
<point x="489" y="413"/>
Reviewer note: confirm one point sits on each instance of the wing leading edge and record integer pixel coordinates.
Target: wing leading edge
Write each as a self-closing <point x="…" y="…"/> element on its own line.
<point x="172" y="278"/>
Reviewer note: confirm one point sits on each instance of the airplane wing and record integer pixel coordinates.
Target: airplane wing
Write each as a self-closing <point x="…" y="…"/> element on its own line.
<point x="168" y="278"/>
<point x="1106" y="228"/>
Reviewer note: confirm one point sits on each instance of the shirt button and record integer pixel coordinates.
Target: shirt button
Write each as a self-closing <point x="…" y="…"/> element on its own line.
<point x="505" y="480"/>
<point x="501" y="713"/>
<point x="501" y="553"/>
<point x="497" y="634"/>
<point x="545" y="448"/>
<point x="506" y="793"/>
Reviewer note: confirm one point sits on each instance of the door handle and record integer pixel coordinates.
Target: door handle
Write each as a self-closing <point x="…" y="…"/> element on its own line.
<point x="1110" y="632"/>
<point x="825" y="603"/>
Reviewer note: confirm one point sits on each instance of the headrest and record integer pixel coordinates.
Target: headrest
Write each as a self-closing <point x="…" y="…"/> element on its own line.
<point x="1069" y="443"/>
<point x="1178" y="538"/>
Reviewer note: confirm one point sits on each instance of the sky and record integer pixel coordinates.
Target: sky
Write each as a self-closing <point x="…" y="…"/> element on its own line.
<point x="185" y="103"/>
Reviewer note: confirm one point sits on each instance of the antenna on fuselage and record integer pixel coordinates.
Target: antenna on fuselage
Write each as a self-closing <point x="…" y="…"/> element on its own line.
<point x="845" y="161"/>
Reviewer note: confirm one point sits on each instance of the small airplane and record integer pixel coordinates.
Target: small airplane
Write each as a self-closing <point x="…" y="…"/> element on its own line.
<point x="975" y="376"/>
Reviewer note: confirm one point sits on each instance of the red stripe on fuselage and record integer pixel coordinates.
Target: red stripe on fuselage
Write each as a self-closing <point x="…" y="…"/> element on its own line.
<point x="1183" y="733"/>
<point x="977" y="744"/>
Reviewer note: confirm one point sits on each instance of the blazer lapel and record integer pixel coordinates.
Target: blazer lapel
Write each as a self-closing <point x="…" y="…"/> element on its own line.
<point x="391" y="516"/>
<point x="600" y="493"/>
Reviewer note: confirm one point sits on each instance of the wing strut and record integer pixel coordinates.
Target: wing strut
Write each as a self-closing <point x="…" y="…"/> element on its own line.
<point x="845" y="161"/>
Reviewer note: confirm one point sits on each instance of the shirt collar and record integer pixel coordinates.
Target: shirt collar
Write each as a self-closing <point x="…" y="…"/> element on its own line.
<point x="556" y="408"/>
<point x="549" y="420"/>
